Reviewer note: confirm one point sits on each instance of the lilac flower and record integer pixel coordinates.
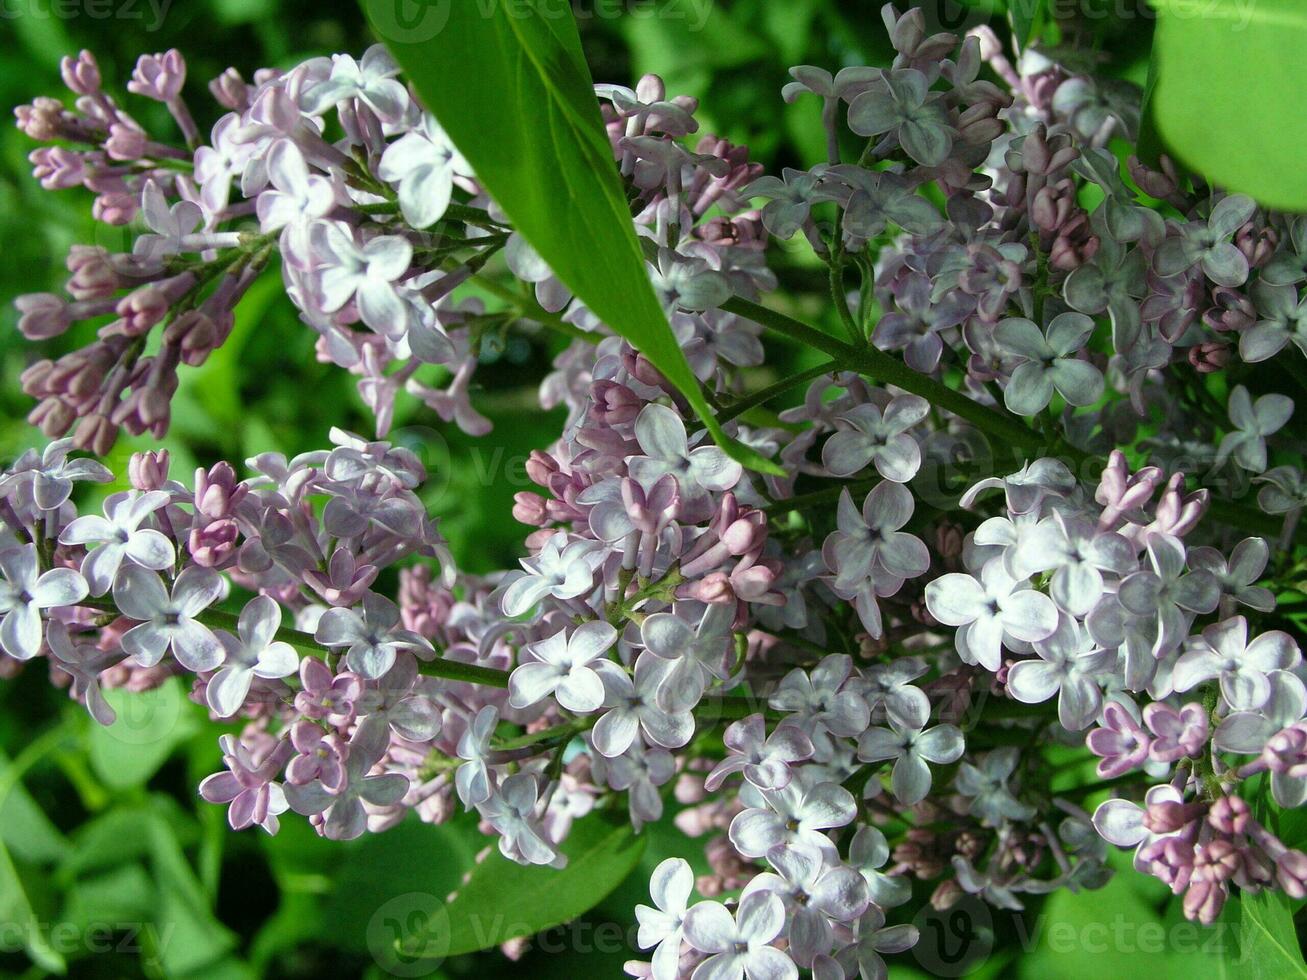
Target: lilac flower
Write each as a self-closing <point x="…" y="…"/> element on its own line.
<point x="169" y="620"/>
<point x="697" y="655"/>
<point x="993" y="610"/>
<point x="881" y="440"/>
<point x="1224" y="652"/>
<point x="366" y="274"/>
<point x="790" y="199"/>
<point x="423" y="163"/>
<point x="1168" y="592"/>
<point x="917" y="320"/>
<point x="688" y="282"/>
<point x="511" y="810"/>
<point x="253" y="652"/>
<point x="176" y="227"/>
<point x="472" y="779"/>
<point x="1249" y="732"/>
<point x="874" y="938"/>
<point x="84" y="663"/>
<point x="564" y="569"/>
<point x="822" y="699"/>
<point x="24" y="592"/>
<point x="248" y="785"/>
<point x="321" y="757"/>
<point x="639" y="772"/>
<point x="764" y="760"/>
<point x="899" y="102"/>
<point x="373" y="637"/>
<point x="1121" y="822"/>
<point x="739" y="947"/>
<point x="295" y="199"/>
<point x="1069" y="666"/>
<point x="346" y="817"/>
<point x="52" y="474"/>
<point x="371" y="80"/>
<point x="1237" y="578"/>
<point x="1283" y="318"/>
<point x="1121" y="743"/>
<point x="870" y="542"/>
<point x="633" y="708"/>
<point x="1079" y="553"/>
<point x="986" y="784"/>
<point x="793" y="814"/>
<point x="868" y="852"/>
<point x="889" y="685"/>
<point x="816" y="895"/>
<point x="698" y="472"/>
<point x="1207" y="243"/>
<point x="1047" y="363"/>
<point x="1252" y="423"/>
<point x="324" y="696"/>
<point x="399" y="703"/>
<point x="1179" y="733"/>
<point x="879" y="197"/>
<point x="663" y="926"/>
<point x="911" y="749"/>
<point x="121" y="537"/>
<point x="563" y="666"/>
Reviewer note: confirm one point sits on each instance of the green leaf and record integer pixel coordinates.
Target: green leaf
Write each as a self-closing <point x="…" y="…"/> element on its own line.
<point x="510" y="85"/>
<point x="24" y="827"/>
<point x="150" y="725"/>
<point x="1231" y="94"/>
<point x="1268" y="939"/>
<point x="1023" y="14"/>
<point x="17" y="913"/>
<point x="504" y="900"/>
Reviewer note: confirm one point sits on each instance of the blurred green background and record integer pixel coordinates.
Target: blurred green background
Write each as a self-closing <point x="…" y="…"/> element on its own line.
<point x="103" y="841"/>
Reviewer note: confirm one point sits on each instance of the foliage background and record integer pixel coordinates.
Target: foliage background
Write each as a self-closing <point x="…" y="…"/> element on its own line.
<point x="102" y="838"/>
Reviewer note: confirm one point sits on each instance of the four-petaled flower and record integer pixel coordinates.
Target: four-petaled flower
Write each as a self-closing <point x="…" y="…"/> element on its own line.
<point x="564" y="666"/>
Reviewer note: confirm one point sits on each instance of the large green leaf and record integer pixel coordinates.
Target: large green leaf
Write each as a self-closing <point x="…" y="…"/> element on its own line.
<point x="510" y="85"/>
<point x="1268" y="939"/>
<point x="1231" y="94"/>
<point x="503" y="900"/>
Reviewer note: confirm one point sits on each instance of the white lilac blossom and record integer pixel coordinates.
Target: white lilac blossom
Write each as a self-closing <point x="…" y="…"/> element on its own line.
<point x="1251" y="423"/>
<point x="25" y="592"/>
<point x="167" y="618"/>
<point x="1223" y="651"/>
<point x="252" y="652"/>
<point x="564" y="665"/>
<point x="119" y="537"/>
<point x="1047" y="363"/>
<point x="911" y="749"/>
<point x="1069" y="666"/>
<point x="878" y="438"/>
<point x="662" y="926"/>
<point x="994" y="609"/>
<point x="783" y="665"/>
<point x="739" y="946"/>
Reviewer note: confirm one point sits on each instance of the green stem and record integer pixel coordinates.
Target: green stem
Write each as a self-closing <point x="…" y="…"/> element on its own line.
<point x="764" y="395"/>
<point x="528" y="308"/>
<point x="883" y="367"/>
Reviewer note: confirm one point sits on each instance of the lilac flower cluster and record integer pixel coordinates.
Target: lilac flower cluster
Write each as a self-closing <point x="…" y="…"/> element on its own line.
<point x="840" y="677"/>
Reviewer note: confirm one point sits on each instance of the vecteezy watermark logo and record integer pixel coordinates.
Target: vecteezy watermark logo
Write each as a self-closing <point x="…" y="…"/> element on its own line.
<point x="409" y="935"/>
<point x="415" y="21"/>
<point x="409" y="21"/>
<point x="149" y="13"/>
<point x="956" y="940"/>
